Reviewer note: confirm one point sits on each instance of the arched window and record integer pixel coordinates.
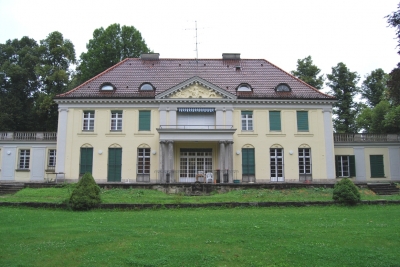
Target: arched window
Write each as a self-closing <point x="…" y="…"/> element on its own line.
<point x="107" y="87"/>
<point x="244" y="87"/>
<point x="283" y="87"/>
<point x="146" y="87"/>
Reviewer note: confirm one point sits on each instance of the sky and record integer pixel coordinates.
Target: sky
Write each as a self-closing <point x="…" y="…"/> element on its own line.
<point x="354" y="32"/>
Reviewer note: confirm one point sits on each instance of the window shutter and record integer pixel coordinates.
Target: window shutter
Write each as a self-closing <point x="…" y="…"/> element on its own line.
<point x="248" y="161"/>
<point x="302" y="121"/>
<point x="376" y="164"/>
<point x="144" y="120"/>
<point x="275" y="121"/>
<point x="352" y="162"/>
<point x="86" y="160"/>
<point x="337" y="165"/>
<point x="114" y="164"/>
<point x="247" y="112"/>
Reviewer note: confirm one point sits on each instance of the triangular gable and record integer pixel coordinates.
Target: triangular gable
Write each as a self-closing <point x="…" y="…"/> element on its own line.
<point x="195" y="87"/>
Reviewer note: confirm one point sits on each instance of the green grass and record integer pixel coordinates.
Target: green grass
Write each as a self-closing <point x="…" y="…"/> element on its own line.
<point x="308" y="236"/>
<point x="141" y="196"/>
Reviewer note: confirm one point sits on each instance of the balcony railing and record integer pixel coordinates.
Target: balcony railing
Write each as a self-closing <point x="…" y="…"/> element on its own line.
<point x="189" y="127"/>
<point x="354" y="138"/>
<point x="28" y="136"/>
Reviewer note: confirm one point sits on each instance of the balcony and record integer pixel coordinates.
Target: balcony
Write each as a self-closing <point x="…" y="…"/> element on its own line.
<point x="196" y="132"/>
<point x="365" y="138"/>
<point x="28" y="136"/>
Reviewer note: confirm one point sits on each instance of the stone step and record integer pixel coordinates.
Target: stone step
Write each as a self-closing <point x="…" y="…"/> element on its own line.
<point x="10" y="188"/>
<point x="384" y="188"/>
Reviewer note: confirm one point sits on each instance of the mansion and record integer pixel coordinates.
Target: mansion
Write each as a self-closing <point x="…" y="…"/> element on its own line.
<point x="155" y="120"/>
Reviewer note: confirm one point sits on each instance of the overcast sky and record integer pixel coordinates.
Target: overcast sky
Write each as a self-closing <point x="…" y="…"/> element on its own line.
<point x="354" y="32"/>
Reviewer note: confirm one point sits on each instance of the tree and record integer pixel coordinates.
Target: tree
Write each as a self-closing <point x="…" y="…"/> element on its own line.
<point x="343" y="84"/>
<point x="54" y="74"/>
<point x="108" y="47"/>
<point x="394" y="80"/>
<point x="18" y="59"/>
<point x="308" y="72"/>
<point x="374" y="87"/>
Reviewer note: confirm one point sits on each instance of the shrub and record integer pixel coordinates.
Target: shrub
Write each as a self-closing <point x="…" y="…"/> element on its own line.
<point x="346" y="192"/>
<point x="86" y="195"/>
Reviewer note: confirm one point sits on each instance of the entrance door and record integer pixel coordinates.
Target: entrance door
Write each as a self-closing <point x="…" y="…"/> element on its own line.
<point x="114" y="164"/>
<point x="193" y="162"/>
<point x="276" y="163"/>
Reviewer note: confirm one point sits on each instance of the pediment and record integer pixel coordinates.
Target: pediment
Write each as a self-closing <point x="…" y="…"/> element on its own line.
<point x="196" y="88"/>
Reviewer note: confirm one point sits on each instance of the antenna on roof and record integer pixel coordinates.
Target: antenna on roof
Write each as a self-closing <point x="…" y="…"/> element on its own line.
<point x="197" y="50"/>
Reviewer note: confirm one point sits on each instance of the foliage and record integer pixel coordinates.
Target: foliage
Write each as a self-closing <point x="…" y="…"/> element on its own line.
<point x="346" y="192"/>
<point x="343" y="84"/>
<point x="108" y="47"/>
<point x="308" y="72"/>
<point x="34" y="75"/>
<point x="374" y="87"/>
<point x="394" y="79"/>
<point x="383" y="118"/>
<point x="147" y="196"/>
<point x="86" y="195"/>
<point x="307" y="236"/>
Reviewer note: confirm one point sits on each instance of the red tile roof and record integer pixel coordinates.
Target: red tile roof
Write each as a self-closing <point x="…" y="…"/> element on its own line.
<point x="129" y="74"/>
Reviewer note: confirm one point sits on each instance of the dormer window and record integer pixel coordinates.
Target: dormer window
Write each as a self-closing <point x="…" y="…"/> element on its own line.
<point x="244" y="87"/>
<point x="146" y="87"/>
<point x="107" y="87"/>
<point x="283" y="87"/>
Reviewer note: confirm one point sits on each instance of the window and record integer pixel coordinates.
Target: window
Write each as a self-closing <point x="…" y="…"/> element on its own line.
<point x="24" y="158"/>
<point x="275" y="121"/>
<point x="107" y="87"/>
<point x="146" y="87"/>
<point x="86" y="160"/>
<point x="248" y="165"/>
<point x="376" y="165"/>
<point x="88" y="121"/>
<point x="52" y="159"/>
<point x="244" y="88"/>
<point x="116" y="120"/>
<point x="247" y="120"/>
<point x="144" y="120"/>
<point x="345" y="166"/>
<point x="276" y="164"/>
<point x="302" y="121"/>
<point x="143" y="165"/>
<point x="304" y="161"/>
<point x="282" y="88"/>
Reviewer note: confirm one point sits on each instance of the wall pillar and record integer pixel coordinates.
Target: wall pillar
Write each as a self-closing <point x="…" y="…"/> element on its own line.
<point x="329" y="151"/>
<point x="170" y="161"/>
<point x="62" y="142"/>
<point x="221" y="161"/>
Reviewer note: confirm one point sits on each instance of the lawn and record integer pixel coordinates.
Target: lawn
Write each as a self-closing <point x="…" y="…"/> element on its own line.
<point x="141" y="196"/>
<point x="308" y="236"/>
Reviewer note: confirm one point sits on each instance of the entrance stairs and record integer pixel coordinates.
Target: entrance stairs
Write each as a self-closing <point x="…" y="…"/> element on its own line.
<point x="384" y="188"/>
<point x="10" y="188"/>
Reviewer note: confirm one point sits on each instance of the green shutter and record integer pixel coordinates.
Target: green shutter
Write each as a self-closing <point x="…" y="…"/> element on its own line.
<point x="86" y="161"/>
<point x="275" y="121"/>
<point x="302" y="121"/>
<point x="376" y="164"/>
<point x="337" y="165"/>
<point x="247" y="112"/>
<point x="352" y="162"/>
<point x="114" y="164"/>
<point x="144" y="120"/>
<point x="248" y="161"/>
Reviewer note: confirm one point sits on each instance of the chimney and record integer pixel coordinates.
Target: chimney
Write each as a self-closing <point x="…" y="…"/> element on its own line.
<point x="226" y="56"/>
<point x="150" y="56"/>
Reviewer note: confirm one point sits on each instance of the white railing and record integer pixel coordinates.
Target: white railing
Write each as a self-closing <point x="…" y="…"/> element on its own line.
<point x="28" y="136"/>
<point x="185" y="127"/>
<point x="349" y="138"/>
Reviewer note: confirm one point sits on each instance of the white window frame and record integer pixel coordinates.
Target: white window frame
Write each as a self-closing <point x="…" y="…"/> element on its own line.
<point x="303" y="164"/>
<point x="88" y="120"/>
<point x="274" y="159"/>
<point x="344" y="166"/>
<point x="24" y="159"/>
<point x="143" y="157"/>
<point x="52" y="158"/>
<point x="247" y="122"/>
<point x="116" y="120"/>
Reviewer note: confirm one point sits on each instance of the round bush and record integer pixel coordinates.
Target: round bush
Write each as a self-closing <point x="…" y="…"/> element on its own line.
<point x="86" y="195"/>
<point x="346" y="192"/>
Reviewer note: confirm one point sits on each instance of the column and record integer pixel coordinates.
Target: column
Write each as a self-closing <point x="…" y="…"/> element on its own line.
<point x="161" y="162"/>
<point x="170" y="161"/>
<point x="229" y="159"/>
<point x="62" y="142"/>
<point x="328" y="136"/>
<point x="172" y="117"/>
<point x="219" y="117"/>
<point x="221" y="162"/>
